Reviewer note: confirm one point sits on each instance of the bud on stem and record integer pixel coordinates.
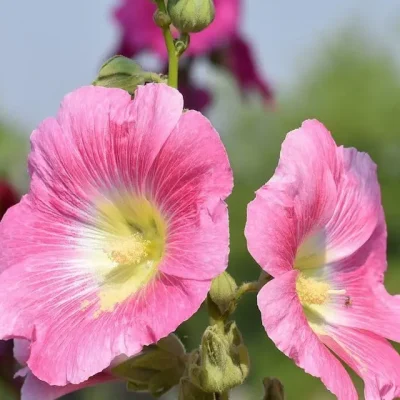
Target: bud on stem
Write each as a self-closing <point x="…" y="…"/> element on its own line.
<point x="123" y="73"/>
<point x="191" y="15"/>
<point x="222" y="362"/>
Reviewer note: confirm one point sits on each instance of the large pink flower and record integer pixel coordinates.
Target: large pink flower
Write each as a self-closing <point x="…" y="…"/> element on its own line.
<point x="221" y="42"/>
<point x="122" y="231"/>
<point x="318" y="228"/>
<point x="34" y="389"/>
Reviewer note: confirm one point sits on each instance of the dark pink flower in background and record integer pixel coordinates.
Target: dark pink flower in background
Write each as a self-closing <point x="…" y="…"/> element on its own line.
<point x="8" y="197"/>
<point x="317" y="226"/>
<point x="140" y="33"/>
<point x="222" y="43"/>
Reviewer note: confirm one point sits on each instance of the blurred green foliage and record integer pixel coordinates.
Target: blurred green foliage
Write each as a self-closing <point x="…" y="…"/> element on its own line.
<point x="13" y="156"/>
<point x="353" y="87"/>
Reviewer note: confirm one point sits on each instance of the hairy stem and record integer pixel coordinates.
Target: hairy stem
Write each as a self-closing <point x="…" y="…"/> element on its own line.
<point x="253" y="287"/>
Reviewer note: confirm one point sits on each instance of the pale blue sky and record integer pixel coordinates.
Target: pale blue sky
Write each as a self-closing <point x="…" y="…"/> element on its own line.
<point x="51" y="47"/>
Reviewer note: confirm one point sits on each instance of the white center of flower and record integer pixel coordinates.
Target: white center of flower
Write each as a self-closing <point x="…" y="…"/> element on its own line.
<point x="133" y="238"/>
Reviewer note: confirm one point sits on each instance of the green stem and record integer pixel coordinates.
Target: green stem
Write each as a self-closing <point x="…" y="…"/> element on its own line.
<point x="253" y="287"/>
<point x="173" y="58"/>
<point x="222" y="396"/>
<point x="247" y="287"/>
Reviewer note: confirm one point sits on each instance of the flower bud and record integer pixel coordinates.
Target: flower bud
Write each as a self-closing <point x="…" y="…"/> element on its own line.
<point x="191" y="15"/>
<point x="223" y="293"/>
<point x="223" y="362"/>
<point x="273" y="389"/>
<point x="123" y="73"/>
<point x="156" y="369"/>
<point x="189" y="391"/>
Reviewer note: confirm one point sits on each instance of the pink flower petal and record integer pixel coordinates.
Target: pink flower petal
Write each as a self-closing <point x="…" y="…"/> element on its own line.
<point x="358" y="205"/>
<point x="103" y="145"/>
<point x="34" y="389"/>
<point x="22" y="350"/>
<point x="284" y="320"/>
<point x="184" y="177"/>
<point x="298" y="200"/>
<point x="361" y="275"/>
<point x="371" y="356"/>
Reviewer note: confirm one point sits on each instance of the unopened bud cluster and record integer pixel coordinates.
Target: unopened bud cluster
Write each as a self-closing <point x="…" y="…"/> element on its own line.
<point x="222" y="361"/>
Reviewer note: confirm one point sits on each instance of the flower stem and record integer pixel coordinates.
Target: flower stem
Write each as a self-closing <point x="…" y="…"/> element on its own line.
<point x="222" y="396"/>
<point x="173" y="57"/>
<point x="253" y="287"/>
<point x="247" y="287"/>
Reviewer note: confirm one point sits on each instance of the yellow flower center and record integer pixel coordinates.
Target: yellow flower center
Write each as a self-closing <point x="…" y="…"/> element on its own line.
<point x="128" y="250"/>
<point x="311" y="291"/>
<point x="133" y="244"/>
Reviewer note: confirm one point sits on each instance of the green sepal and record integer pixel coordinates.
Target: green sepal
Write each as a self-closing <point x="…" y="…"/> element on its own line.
<point x="123" y="73"/>
<point x="156" y="369"/>
<point x="189" y="391"/>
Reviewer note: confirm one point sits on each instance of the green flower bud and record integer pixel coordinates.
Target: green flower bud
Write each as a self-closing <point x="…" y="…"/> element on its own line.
<point x="191" y="15"/>
<point x="223" y="362"/>
<point x="162" y="19"/>
<point x="223" y="293"/>
<point x="123" y="73"/>
<point x="156" y="369"/>
<point x="189" y="391"/>
<point x="273" y="389"/>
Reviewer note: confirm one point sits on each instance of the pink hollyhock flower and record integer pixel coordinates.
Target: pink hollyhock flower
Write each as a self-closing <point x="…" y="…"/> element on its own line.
<point x="318" y="228"/>
<point x="123" y="229"/>
<point x="34" y="389"/>
<point x="220" y="42"/>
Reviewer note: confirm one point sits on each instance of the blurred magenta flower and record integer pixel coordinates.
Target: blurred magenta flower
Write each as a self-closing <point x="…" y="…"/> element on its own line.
<point x="318" y="228"/>
<point x="123" y="229"/>
<point x="8" y="197"/>
<point x="34" y="389"/>
<point x="140" y="33"/>
<point x="221" y="42"/>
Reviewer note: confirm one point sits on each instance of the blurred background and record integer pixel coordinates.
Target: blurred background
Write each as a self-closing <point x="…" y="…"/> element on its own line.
<point x="335" y="61"/>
